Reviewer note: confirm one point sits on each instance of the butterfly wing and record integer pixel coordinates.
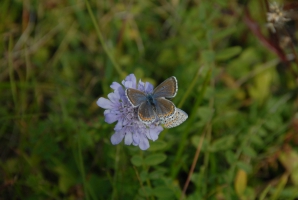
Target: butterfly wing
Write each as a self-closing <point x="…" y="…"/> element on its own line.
<point x="164" y="108"/>
<point x="135" y="97"/>
<point x="178" y="118"/>
<point x="167" y="89"/>
<point x="146" y="113"/>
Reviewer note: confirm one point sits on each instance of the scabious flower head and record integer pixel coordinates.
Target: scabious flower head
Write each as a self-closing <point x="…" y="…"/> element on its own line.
<point x="119" y="109"/>
<point x="276" y="17"/>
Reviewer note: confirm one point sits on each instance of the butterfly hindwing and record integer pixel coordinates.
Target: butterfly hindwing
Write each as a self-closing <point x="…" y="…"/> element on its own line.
<point x="178" y="118"/>
<point x="146" y="113"/>
<point x="164" y="108"/>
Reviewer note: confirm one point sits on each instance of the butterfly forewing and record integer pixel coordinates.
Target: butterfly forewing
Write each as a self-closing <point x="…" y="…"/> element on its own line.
<point x="164" y="108"/>
<point x="146" y="113"/>
<point x="167" y="89"/>
<point x="135" y="97"/>
<point x="178" y="118"/>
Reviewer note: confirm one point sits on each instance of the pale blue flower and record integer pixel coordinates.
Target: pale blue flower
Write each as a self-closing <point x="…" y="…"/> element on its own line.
<point x="128" y="125"/>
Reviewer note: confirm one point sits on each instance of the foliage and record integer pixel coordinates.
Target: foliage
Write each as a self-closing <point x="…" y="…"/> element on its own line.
<point x="240" y="94"/>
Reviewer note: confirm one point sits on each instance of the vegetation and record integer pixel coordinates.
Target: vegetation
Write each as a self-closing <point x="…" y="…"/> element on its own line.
<point x="237" y="70"/>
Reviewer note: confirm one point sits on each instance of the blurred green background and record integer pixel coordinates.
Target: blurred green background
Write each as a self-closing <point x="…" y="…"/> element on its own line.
<point x="237" y="82"/>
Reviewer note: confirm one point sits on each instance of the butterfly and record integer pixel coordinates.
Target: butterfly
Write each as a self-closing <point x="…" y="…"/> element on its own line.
<point x="156" y="106"/>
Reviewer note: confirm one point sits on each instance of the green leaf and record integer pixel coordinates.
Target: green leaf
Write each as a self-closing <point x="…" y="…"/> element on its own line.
<point x="271" y="124"/>
<point x="155" y="159"/>
<point x="157" y="174"/>
<point x="257" y="140"/>
<point x="246" y="167"/>
<point x="289" y="160"/>
<point x="205" y="113"/>
<point x="281" y="185"/>
<point x="230" y="156"/>
<point x="143" y="176"/>
<point x="224" y="33"/>
<point x="66" y="178"/>
<point x="247" y="150"/>
<point x="136" y="160"/>
<point x="162" y="192"/>
<point x="208" y="56"/>
<point x="157" y="145"/>
<point x="265" y="192"/>
<point x="289" y="192"/>
<point x="228" y="53"/>
<point x="145" y="191"/>
<point x="222" y="144"/>
<point x="198" y="178"/>
<point x="262" y="132"/>
<point x="261" y="89"/>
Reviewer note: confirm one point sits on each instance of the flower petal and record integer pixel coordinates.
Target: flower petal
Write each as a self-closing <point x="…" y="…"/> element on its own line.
<point x="104" y="103"/>
<point x="132" y="78"/>
<point x="121" y="92"/>
<point x="148" y="135"/>
<point x="114" y="97"/>
<point x="118" y="88"/>
<point x="111" y="118"/>
<point x="153" y="132"/>
<point x="128" y="138"/>
<point x="136" y="138"/>
<point x="119" y="125"/>
<point x="115" y="86"/>
<point x="141" y="86"/>
<point x="144" y="143"/>
<point x="148" y="87"/>
<point x="130" y="81"/>
<point x="156" y="129"/>
<point x="154" y="135"/>
<point x="117" y="137"/>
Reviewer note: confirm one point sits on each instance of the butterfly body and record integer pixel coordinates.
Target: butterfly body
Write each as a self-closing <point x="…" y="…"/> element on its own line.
<point x="151" y="99"/>
<point x="155" y="106"/>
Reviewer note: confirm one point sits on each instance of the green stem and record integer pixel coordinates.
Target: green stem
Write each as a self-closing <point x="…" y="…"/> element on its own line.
<point x="190" y="88"/>
<point x="108" y="52"/>
<point x="185" y="136"/>
<point x="116" y="167"/>
<point x="209" y="133"/>
<point x="139" y="179"/>
<point x="81" y="166"/>
<point x="11" y="70"/>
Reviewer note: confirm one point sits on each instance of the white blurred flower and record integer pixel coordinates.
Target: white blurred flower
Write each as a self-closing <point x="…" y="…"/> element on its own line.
<point x="276" y="17"/>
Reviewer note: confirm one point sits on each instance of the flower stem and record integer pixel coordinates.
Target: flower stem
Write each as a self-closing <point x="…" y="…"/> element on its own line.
<point x="116" y="168"/>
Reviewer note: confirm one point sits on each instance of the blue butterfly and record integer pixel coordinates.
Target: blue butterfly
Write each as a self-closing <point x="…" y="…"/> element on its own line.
<point x="156" y="106"/>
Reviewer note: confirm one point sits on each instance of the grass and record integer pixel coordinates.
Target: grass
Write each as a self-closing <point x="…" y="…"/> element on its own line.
<point x="235" y="83"/>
